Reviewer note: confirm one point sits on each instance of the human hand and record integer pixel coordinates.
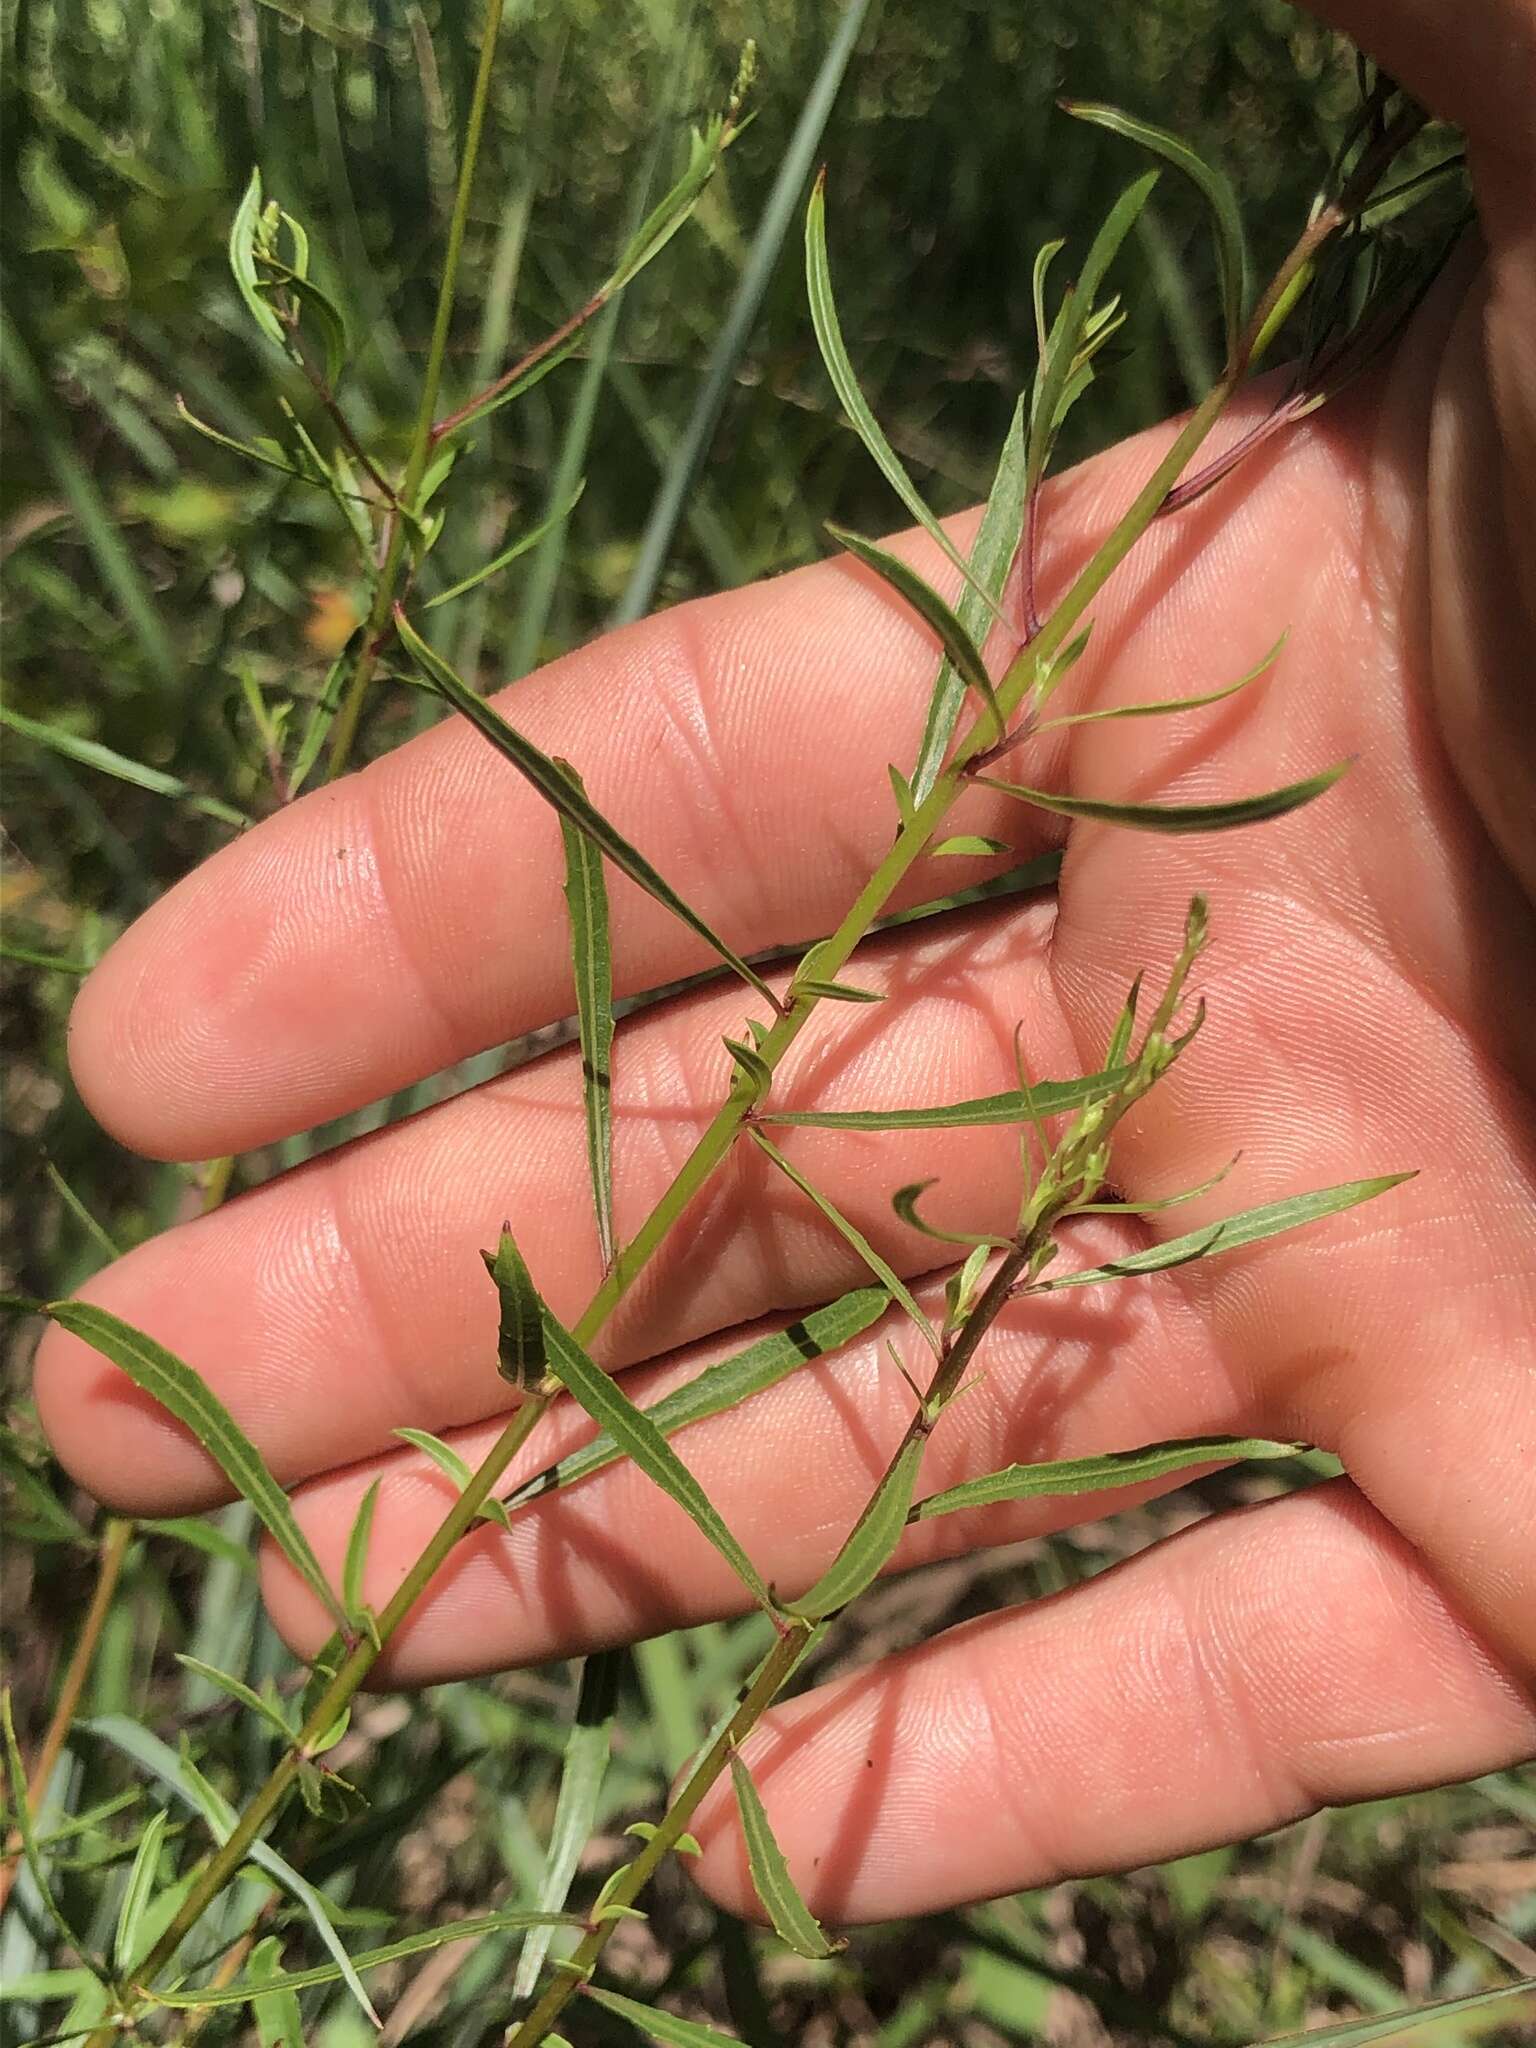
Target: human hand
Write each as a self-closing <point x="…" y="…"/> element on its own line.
<point x="1370" y="974"/>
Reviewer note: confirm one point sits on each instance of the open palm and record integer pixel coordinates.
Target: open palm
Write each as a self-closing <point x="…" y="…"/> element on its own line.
<point x="1370" y="980"/>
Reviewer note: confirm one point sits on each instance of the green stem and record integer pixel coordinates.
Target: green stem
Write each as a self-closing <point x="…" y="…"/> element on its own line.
<point x="385" y="589"/>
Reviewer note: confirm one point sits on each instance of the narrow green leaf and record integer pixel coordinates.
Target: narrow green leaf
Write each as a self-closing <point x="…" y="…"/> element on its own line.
<point x="429" y="1939"/>
<point x="883" y="1272"/>
<point x="637" y="1435"/>
<point x="318" y="725"/>
<point x="646" y="1831"/>
<point x="521" y="546"/>
<point x="183" y="1778"/>
<point x="1217" y="817"/>
<point x="263" y="451"/>
<point x="195" y="1405"/>
<point x="203" y="1536"/>
<point x="901" y="789"/>
<point x="834" y="353"/>
<point x="279" y="2019"/>
<point x="793" y="1920"/>
<point x="727" y="1383"/>
<point x="575" y="1822"/>
<point x="871" y="1542"/>
<point x="962" y="1287"/>
<point x="92" y="754"/>
<point x="142" y="1880"/>
<point x="992" y="554"/>
<point x="1214" y="186"/>
<point x="237" y="1689"/>
<point x="354" y="1571"/>
<point x="520" y="1342"/>
<point x="1387" y="2026"/>
<point x="453" y="1467"/>
<point x="1068" y="1476"/>
<point x="1011" y="1106"/>
<point x="1251" y="1226"/>
<point x="970" y="845"/>
<point x="904" y="1202"/>
<point x="837" y="992"/>
<point x="1045" y="256"/>
<point x="754" y="1076"/>
<point x="551" y="782"/>
<point x="663" y="2027"/>
<point x="1167" y="707"/>
<point x="960" y="650"/>
<point x="245" y="235"/>
<point x="21" y="1815"/>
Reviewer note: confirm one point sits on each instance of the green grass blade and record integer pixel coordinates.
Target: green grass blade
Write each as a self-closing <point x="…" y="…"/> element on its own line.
<point x="92" y="754"/>
<point x="1251" y="1226"/>
<point x="883" y="1272"/>
<point x="871" y="1542"/>
<point x="22" y="1820"/>
<point x="680" y="477"/>
<point x="520" y="546"/>
<point x="1214" y="187"/>
<point x="1067" y="1476"/>
<point x="194" y="1404"/>
<point x="1219" y="817"/>
<point x="732" y="1380"/>
<point x="424" y="1943"/>
<point x="1400" y="2025"/>
<point x="960" y="650"/>
<point x="834" y="352"/>
<point x="1046" y="1098"/>
<point x="586" y="899"/>
<point x="142" y="1879"/>
<point x="575" y="1822"/>
<point x="188" y="1784"/>
<point x="555" y="786"/>
<point x="638" y="1436"/>
<point x="663" y="2027"/>
<point x="793" y="1920"/>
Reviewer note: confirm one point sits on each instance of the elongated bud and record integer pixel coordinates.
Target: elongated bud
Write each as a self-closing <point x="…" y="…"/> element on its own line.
<point x="520" y="1343"/>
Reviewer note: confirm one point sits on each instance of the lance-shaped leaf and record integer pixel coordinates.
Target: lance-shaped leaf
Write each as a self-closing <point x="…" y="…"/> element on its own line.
<point x="872" y="1541"/>
<point x="1251" y="1226"/>
<point x="214" y="1996"/>
<point x="793" y="1920"/>
<point x="960" y="650"/>
<point x="904" y="1202"/>
<point x="849" y="1232"/>
<point x="837" y="991"/>
<point x="520" y="1338"/>
<point x="354" y="1571"/>
<point x="555" y="786"/>
<point x="992" y="556"/>
<point x="252" y="229"/>
<point x="189" y="1785"/>
<point x="1214" y="817"/>
<point x="581" y="1783"/>
<point x="452" y="1466"/>
<point x="970" y="846"/>
<point x="1168" y="707"/>
<point x="508" y="555"/>
<point x="278" y="2015"/>
<point x="637" y="1435"/>
<point x="92" y="754"/>
<point x="237" y="1689"/>
<point x="195" y="1405"/>
<point x="663" y="2027"/>
<point x="143" y="1878"/>
<point x="1384" y="2026"/>
<point x="1067" y="1476"/>
<point x="725" y="1384"/>
<point x="1011" y="1106"/>
<point x="834" y="353"/>
<point x="586" y="902"/>
<point x="1214" y="186"/>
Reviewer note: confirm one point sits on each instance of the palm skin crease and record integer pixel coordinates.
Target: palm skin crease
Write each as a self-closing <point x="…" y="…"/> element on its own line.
<point x="1370" y="982"/>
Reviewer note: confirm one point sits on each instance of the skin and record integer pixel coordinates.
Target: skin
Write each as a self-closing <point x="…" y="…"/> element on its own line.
<point x="1370" y="983"/>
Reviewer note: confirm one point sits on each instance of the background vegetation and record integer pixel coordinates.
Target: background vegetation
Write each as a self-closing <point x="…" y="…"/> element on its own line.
<point x="148" y="578"/>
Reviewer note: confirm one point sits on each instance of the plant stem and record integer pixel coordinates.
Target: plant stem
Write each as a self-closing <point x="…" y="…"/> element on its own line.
<point x="387" y="585"/>
<point x="113" y="1549"/>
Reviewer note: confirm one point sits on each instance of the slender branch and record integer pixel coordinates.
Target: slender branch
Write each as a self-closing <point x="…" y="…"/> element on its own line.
<point x="524" y="364"/>
<point x="109" y="1566"/>
<point x="386" y="588"/>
